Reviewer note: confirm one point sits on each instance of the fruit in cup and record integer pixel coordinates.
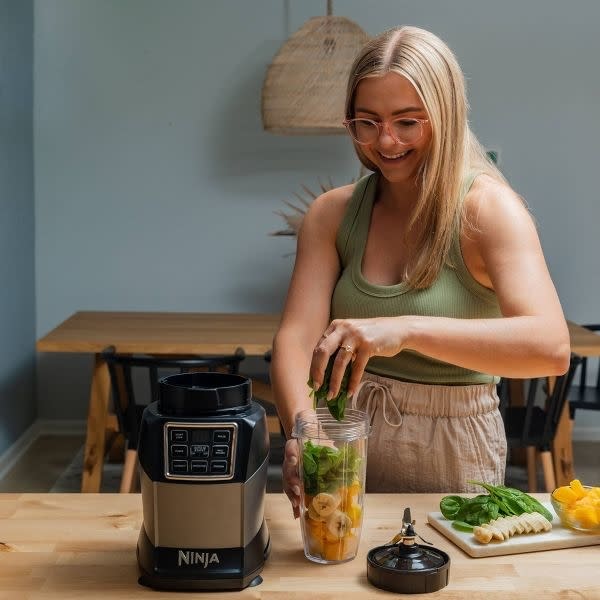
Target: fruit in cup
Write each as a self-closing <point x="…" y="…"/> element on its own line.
<point x="332" y="523"/>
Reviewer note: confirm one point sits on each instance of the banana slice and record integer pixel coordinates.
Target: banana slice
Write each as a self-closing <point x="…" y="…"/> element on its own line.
<point x="314" y="515"/>
<point x="338" y="525"/>
<point x="325" y="504"/>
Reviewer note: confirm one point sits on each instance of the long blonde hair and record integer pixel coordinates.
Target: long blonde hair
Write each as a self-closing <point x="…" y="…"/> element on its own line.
<point x="429" y="64"/>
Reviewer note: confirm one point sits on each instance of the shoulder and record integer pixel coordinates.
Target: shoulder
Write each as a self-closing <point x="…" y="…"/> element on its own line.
<point x="327" y="210"/>
<point x="493" y="208"/>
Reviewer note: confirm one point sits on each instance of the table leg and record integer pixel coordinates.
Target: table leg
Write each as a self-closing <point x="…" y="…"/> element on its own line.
<point x="96" y="427"/>
<point x="562" y="448"/>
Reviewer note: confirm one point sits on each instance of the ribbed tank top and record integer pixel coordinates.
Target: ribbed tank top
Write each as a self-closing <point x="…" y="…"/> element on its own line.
<point x="453" y="294"/>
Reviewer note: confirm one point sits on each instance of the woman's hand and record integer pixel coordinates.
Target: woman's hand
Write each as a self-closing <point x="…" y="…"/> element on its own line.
<point x="358" y="340"/>
<point x="291" y="478"/>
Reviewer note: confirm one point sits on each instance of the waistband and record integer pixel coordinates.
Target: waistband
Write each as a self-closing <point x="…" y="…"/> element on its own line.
<point x="406" y="398"/>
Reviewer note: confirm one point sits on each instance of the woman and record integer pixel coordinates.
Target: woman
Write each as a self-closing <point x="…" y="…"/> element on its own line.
<point x="427" y="274"/>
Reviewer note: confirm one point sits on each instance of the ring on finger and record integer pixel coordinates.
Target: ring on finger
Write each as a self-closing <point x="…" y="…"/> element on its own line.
<point x="348" y="348"/>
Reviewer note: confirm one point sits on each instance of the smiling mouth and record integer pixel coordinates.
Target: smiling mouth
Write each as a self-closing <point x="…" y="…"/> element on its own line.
<point x="398" y="156"/>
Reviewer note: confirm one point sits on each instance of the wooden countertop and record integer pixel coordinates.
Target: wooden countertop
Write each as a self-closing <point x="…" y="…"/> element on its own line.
<point x="73" y="546"/>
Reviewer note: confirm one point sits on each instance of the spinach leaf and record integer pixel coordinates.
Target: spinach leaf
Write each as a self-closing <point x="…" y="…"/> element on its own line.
<point x="450" y="505"/>
<point x="337" y="405"/>
<point x="325" y="469"/>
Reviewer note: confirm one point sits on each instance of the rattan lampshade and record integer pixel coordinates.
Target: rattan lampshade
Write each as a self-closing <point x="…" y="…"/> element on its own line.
<point x="305" y="86"/>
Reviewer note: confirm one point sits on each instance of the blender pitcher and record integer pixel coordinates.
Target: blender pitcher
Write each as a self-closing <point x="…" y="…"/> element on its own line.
<point x="332" y="467"/>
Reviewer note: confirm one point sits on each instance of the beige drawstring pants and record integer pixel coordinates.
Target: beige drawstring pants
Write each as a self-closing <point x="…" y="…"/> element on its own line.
<point x="431" y="438"/>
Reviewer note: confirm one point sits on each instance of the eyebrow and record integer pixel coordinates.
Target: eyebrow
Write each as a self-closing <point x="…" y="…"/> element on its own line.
<point x="401" y="111"/>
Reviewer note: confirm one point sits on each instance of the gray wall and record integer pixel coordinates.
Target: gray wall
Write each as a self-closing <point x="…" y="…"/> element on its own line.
<point x="17" y="299"/>
<point x="156" y="185"/>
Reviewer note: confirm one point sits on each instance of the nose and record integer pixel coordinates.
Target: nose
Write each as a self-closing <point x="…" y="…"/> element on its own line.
<point x="385" y="134"/>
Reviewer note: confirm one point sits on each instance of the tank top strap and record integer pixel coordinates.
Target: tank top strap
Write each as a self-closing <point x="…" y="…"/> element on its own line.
<point x="359" y="209"/>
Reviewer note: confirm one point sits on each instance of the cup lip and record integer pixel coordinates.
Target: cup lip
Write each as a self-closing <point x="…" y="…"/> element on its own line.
<point x="355" y="425"/>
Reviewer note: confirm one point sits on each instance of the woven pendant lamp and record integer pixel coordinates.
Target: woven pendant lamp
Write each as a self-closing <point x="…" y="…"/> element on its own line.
<point x="305" y="87"/>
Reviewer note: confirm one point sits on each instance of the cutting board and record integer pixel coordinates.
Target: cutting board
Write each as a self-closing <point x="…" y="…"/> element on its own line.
<point x="558" y="537"/>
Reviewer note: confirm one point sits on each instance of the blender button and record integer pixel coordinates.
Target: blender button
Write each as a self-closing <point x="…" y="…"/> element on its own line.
<point x="199" y="466"/>
<point x="218" y="466"/>
<point x="221" y="436"/>
<point x="179" y="451"/>
<point x="178" y="435"/>
<point x="220" y="451"/>
<point x="180" y="466"/>
<point x="199" y="450"/>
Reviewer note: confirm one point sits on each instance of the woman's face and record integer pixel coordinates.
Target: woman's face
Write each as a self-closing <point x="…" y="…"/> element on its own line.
<point x="383" y="99"/>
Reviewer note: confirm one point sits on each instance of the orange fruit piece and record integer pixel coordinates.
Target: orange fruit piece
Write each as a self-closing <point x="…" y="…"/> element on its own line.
<point x="565" y="494"/>
<point x="577" y="488"/>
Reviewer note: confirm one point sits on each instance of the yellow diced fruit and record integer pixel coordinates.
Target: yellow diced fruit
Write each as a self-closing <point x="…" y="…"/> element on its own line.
<point x="355" y="513"/>
<point x="587" y="516"/>
<point x="565" y="495"/>
<point x="577" y="488"/>
<point x="595" y="493"/>
<point x="333" y="550"/>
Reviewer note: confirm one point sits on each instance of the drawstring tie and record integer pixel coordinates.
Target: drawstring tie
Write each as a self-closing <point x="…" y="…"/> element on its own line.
<point x="373" y="390"/>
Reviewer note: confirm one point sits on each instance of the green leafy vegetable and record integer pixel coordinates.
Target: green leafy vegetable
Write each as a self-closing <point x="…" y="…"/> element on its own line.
<point x="326" y="469"/>
<point x="337" y="405"/>
<point x="513" y="501"/>
<point x="500" y="501"/>
<point x="450" y="505"/>
<point x="462" y="526"/>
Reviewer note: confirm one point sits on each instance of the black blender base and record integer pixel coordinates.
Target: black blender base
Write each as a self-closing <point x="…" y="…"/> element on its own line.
<point x="206" y="585"/>
<point x="168" y="579"/>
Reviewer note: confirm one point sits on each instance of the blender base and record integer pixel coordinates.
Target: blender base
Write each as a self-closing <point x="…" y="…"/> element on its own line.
<point x="165" y="577"/>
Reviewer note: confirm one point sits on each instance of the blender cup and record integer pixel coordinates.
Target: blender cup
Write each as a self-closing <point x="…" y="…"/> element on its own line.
<point x="332" y="467"/>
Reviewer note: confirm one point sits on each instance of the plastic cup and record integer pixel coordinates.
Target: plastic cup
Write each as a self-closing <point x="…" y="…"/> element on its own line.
<point x="332" y="466"/>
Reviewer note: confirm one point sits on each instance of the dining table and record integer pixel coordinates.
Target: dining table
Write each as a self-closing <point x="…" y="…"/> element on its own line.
<point x="154" y="333"/>
<point x="180" y="333"/>
<point x="73" y="546"/>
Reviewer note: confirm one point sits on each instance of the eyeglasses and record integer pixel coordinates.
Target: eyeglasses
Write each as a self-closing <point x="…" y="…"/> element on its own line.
<point x="403" y="130"/>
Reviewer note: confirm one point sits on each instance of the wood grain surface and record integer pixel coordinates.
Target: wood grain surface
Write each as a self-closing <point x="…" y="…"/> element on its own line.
<point x="162" y="333"/>
<point x="82" y="546"/>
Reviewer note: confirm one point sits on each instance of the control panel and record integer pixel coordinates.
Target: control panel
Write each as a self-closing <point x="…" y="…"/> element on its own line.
<point x="200" y="451"/>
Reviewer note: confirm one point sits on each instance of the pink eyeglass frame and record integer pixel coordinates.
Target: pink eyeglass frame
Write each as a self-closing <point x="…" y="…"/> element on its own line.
<point x="381" y="125"/>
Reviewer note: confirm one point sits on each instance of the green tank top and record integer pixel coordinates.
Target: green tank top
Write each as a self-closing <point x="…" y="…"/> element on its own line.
<point x="453" y="294"/>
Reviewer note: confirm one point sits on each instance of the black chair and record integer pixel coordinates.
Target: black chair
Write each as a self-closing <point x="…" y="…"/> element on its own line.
<point x="128" y="409"/>
<point x="533" y="425"/>
<point x="583" y="396"/>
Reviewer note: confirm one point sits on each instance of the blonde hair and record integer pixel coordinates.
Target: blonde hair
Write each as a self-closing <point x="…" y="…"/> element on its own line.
<point x="429" y="64"/>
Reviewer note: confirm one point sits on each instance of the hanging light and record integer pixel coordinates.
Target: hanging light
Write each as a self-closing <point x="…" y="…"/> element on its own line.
<point x="305" y="85"/>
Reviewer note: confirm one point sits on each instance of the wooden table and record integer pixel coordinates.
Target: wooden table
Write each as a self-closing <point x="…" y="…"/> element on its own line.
<point x="72" y="546"/>
<point x="148" y="333"/>
<point x="585" y="343"/>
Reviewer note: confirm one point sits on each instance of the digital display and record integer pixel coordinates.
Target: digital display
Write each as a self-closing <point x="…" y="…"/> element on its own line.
<point x="201" y="435"/>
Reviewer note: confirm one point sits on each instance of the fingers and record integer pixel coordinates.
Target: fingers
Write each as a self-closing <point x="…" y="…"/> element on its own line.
<point x="290" y="476"/>
<point x="326" y="346"/>
<point x="358" y="368"/>
<point x="342" y="359"/>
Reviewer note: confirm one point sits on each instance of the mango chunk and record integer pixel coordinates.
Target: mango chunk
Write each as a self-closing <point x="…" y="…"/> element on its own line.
<point x="577" y="488"/>
<point x="565" y="495"/>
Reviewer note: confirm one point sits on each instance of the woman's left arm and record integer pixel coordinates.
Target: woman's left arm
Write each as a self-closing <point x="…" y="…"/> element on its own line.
<point x="503" y="252"/>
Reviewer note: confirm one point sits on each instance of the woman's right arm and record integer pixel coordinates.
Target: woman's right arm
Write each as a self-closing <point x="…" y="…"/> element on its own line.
<point x="305" y="317"/>
<point x="307" y="307"/>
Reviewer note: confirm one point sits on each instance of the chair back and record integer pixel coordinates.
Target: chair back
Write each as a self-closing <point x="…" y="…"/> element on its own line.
<point x="583" y="396"/>
<point x="535" y="425"/>
<point x="121" y="368"/>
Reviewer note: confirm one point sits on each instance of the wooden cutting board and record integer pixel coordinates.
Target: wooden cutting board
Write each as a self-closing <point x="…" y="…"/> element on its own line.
<point x="558" y="537"/>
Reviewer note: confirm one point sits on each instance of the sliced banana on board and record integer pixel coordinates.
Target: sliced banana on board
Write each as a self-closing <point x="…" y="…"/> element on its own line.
<point x="504" y="527"/>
